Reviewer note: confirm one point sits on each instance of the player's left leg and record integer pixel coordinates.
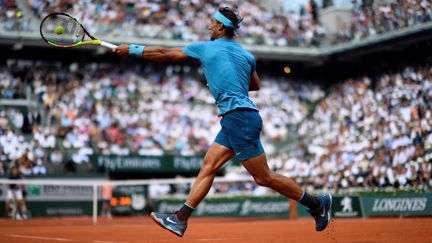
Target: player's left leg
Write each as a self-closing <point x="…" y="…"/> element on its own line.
<point x="319" y="207"/>
<point x="263" y="176"/>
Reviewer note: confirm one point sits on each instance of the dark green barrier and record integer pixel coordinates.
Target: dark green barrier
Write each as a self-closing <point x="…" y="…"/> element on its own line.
<point x="76" y="201"/>
<point x="400" y="205"/>
<point x="232" y="207"/>
<point x="60" y="208"/>
<point x="409" y="204"/>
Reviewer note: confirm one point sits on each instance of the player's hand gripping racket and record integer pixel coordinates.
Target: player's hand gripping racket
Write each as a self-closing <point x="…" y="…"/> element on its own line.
<point x="64" y="31"/>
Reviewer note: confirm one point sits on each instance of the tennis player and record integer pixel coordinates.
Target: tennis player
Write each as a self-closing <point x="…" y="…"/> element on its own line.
<point x="230" y="73"/>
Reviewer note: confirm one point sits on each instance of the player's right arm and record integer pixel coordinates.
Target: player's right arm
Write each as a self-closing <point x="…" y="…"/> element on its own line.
<point x="156" y="53"/>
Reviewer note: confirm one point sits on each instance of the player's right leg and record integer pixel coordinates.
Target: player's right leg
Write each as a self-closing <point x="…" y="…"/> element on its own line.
<point x="216" y="156"/>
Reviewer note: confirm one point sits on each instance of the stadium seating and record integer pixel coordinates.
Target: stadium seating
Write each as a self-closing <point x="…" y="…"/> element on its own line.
<point x="379" y="134"/>
<point x="188" y="21"/>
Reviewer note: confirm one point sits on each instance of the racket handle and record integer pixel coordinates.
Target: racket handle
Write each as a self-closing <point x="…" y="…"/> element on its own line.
<point x="108" y="45"/>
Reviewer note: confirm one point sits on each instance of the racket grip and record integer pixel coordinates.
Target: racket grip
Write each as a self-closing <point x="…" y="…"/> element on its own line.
<point x="108" y="45"/>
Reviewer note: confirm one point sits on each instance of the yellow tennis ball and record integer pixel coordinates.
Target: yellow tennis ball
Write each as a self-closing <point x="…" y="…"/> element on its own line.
<point x="59" y="29"/>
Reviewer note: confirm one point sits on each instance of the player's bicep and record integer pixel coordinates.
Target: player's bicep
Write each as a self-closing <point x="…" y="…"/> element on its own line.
<point x="255" y="82"/>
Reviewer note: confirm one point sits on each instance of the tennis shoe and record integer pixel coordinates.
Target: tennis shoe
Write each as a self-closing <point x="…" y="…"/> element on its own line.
<point x="322" y="215"/>
<point x="170" y="222"/>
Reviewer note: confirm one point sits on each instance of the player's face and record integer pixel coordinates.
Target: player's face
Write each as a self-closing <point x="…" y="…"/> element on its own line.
<point x="213" y="27"/>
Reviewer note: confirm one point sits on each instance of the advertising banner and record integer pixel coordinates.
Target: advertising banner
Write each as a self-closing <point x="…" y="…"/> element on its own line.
<point x="346" y="207"/>
<point x="54" y="208"/>
<point x="232" y="207"/>
<point x="158" y="164"/>
<point x="400" y="205"/>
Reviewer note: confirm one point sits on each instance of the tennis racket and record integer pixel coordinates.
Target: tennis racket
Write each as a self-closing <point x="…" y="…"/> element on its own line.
<point x="64" y="31"/>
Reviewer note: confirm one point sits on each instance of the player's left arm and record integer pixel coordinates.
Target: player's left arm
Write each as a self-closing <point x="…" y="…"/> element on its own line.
<point x="156" y="53"/>
<point x="255" y="82"/>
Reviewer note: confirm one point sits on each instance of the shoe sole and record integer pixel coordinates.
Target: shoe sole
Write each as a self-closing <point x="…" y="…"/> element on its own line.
<point x="161" y="224"/>
<point x="330" y="208"/>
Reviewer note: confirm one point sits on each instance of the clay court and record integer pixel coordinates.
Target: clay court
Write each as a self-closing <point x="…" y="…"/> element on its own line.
<point x="221" y="230"/>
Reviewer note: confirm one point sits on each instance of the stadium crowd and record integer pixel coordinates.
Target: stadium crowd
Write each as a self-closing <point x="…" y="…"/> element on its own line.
<point x="366" y="133"/>
<point x="188" y="20"/>
<point x="376" y="17"/>
<point x="378" y="134"/>
<point x="100" y="109"/>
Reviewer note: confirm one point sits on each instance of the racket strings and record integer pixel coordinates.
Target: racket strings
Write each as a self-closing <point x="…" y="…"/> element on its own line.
<point x="72" y="30"/>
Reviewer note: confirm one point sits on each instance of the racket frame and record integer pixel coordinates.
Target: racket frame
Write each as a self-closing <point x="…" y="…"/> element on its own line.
<point x="93" y="40"/>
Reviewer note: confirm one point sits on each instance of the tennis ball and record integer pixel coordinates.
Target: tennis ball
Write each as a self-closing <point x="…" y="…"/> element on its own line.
<point x="59" y="29"/>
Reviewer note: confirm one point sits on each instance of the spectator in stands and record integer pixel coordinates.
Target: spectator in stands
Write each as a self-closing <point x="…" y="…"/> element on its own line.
<point x="39" y="168"/>
<point x="2" y="166"/>
<point x="26" y="162"/>
<point x="70" y="166"/>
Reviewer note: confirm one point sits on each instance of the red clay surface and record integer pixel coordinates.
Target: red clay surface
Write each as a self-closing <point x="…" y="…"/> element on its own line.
<point x="220" y="230"/>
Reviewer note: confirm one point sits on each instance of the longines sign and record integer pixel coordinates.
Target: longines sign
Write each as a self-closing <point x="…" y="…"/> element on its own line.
<point x="406" y="204"/>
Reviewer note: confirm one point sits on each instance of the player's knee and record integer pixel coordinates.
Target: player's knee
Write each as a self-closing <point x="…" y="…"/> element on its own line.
<point x="263" y="180"/>
<point x="208" y="169"/>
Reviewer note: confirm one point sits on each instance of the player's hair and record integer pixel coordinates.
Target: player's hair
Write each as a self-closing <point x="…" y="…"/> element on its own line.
<point x="235" y="18"/>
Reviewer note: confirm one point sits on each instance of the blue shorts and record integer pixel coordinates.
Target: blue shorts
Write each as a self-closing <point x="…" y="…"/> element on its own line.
<point x="241" y="129"/>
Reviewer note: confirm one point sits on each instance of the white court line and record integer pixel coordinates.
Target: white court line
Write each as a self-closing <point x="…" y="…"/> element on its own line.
<point x="220" y="239"/>
<point x="192" y="240"/>
<point x="38" y="237"/>
<point x="64" y="239"/>
<point x="53" y="238"/>
<point x="101" y="241"/>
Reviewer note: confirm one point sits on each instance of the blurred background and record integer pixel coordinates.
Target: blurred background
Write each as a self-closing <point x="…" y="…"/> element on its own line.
<point x="346" y="101"/>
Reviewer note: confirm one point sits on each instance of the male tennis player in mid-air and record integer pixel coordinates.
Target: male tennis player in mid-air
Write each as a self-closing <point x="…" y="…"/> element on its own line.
<point x="230" y="73"/>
